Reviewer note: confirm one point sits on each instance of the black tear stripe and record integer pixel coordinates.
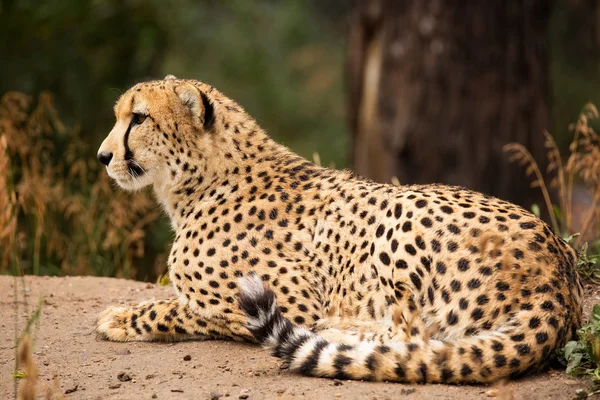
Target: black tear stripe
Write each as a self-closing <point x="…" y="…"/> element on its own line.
<point x="209" y="112"/>
<point x="134" y="169"/>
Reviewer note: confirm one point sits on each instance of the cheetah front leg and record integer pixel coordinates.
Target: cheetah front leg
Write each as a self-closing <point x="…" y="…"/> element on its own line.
<point x="165" y="320"/>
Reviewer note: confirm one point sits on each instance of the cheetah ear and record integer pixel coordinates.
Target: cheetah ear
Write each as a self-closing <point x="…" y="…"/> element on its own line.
<point x="198" y="104"/>
<point x="170" y="78"/>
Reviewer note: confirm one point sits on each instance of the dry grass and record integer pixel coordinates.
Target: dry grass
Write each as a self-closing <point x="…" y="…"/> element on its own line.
<point x="582" y="165"/>
<point x="28" y="383"/>
<point x="58" y="211"/>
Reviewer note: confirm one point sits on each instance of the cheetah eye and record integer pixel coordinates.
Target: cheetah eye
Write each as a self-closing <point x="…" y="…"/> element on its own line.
<point x="138" y="119"/>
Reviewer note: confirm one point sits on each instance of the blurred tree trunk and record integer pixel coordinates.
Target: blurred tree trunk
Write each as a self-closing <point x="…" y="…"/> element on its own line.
<point x="437" y="87"/>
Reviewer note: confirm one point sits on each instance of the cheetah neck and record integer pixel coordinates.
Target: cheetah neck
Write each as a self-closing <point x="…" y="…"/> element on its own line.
<point x="241" y="159"/>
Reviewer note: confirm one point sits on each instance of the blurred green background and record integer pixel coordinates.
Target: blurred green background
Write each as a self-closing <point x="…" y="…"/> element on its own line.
<point x="281" y="60"/>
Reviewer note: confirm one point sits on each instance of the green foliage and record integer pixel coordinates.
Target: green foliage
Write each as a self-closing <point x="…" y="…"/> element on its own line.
<point x="278" y="59"/>
<point x="582" y="357"/>
<point x="588" y="264"/>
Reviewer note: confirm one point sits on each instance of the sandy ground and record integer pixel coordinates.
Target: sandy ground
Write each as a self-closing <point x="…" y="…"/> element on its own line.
<point x="87" y="368"/>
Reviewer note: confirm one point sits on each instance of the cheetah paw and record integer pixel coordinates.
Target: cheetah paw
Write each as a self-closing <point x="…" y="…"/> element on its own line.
<point x="112" y="324"/>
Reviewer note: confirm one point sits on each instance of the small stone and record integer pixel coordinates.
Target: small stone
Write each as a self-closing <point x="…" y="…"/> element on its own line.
<point x="123" y="377"/>
<point x="187" y="358"/>
<point x="284" y="365"/>
<point x="114" y="386"/>
<point x="409" y="390"/>
<point x="244" y="394"/>
<point x="337" y="382"/>
<point x="71" y="390"/>
<point x="215" y="396"/>
<point x="492" y="393"/>
<point x="338" y="395"/>
<point x="581" y="394"/>
<point x="177" y="390"/>
<point x="150" y="376"/>
<point x="154" y="396"/>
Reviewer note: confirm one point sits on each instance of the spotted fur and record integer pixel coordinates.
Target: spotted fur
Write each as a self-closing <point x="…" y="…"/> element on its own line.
<point x="341" y="276"/>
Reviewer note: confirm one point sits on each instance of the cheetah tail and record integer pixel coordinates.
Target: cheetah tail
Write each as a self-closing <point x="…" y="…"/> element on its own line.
<point x="464" y="360"/>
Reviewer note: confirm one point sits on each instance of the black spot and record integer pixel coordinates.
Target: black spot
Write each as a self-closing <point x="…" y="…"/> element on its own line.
<point x="474" y="284"/>
<point x="455" y="285"/>
<point x="514" y="363"/>
<point x="446" y="209"/>
<point x="445" y="296"/>
<point x="440" y="267"/>
<point x="415" y="280"/>
<point x="454" y="229"/>
<point x="400" y="373"/>
<point x="446" y="375"/>
<point x="523" y="349"/>
<point x="518" y="337"/>
<point x="547" y="306"/>
<point x="527" y="225"/>
<point x="463" y="265"/>
<point x="398" y="210"/>
<point x="452" y="318"/>
<point x="465" y="371"/>
<point x="385" y="258"/>
<point x="534" y="322"/>
<point x="407" y="226"/>
<point x="477" y="314"/>
<point x="541" y="337"/>
<point x="482" y="299"/>
<point x="499" y="360"/>
<point x="423" y="372"/>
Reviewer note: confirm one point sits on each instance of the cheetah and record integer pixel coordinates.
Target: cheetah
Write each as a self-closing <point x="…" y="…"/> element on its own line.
<point x="338" y="276"/>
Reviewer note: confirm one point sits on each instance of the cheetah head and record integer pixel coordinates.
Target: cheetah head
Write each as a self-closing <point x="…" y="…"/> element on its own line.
<point x="152" y="131"/>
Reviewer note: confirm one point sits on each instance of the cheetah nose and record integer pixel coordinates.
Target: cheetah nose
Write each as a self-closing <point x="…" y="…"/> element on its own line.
<point x="104" y="157"/>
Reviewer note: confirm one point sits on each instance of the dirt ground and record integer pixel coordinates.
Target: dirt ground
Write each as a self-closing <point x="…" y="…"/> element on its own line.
<point x="87" y="368"/>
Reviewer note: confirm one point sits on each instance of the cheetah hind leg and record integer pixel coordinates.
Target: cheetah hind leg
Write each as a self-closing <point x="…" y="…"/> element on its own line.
<point x="404" y="325"/>
<point x="164" y="320"/>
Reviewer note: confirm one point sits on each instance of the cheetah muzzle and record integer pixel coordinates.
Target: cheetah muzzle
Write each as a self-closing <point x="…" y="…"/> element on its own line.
<point x="338" y="276"/>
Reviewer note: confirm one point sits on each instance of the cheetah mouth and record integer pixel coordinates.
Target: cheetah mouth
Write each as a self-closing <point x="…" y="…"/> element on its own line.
<point x="131" y="175"/>
<point x="134" y="169"/>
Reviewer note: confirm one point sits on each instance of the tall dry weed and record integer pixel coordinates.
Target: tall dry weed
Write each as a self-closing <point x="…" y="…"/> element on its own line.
<point x="58" y="212"/>
<point x="581" y="166"/>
